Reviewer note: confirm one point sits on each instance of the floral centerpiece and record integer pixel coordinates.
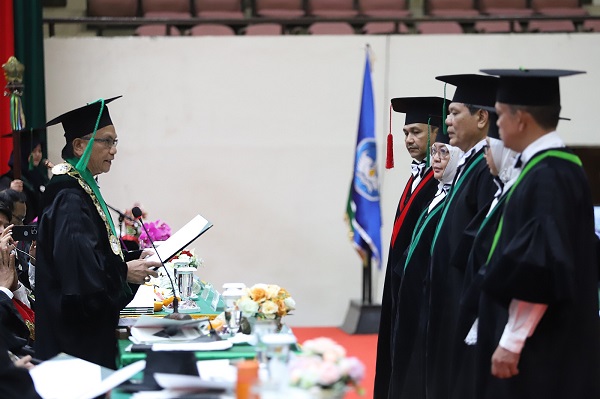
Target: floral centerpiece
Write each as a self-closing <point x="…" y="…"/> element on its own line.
<point x="265" y="301"/>
<point x="157" y="230"/>
<point x="189" y="257"/>
<point x="323" y="367"/>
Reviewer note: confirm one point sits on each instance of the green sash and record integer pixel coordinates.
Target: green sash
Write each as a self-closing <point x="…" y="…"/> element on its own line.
<point x="550" y="153"/>
<point x="450" y="196"/>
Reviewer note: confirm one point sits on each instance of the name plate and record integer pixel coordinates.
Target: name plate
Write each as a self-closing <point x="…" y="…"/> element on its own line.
<point x="215" y="301"/>
<point x="205" y="292"/>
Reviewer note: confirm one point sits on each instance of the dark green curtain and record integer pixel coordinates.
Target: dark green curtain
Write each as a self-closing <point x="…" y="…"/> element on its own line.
<point x="29" y="49"/>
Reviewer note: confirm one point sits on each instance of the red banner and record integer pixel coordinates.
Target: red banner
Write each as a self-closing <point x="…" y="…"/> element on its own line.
<point x="7" y="49"/>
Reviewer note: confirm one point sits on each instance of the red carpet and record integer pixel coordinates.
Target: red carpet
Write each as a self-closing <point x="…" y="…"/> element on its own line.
<point x="363" y="347"/>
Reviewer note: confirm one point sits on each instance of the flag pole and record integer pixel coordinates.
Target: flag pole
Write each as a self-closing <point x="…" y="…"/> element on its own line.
<point x="363" y="212"/>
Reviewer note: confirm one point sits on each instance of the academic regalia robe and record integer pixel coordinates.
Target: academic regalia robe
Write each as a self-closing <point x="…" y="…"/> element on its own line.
<point x="408" y="343"/>
<point x="15" y="382"/>
<point x="13" y="323"/>
<point x="471" y="192"/>
<point x="409" y="208"/>
<point x="464" y="376"/>
<point x="80" y="280"/>
<point x="546" y="254"/>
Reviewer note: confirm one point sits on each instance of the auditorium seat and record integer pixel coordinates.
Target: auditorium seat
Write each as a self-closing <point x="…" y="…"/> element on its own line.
<point x="567" y="8"/>
<point x="219" y="9"/>
<point x="211" y="30"/>
<point x="332" y="8"/>
<point x="112" y="8"/>
<point x="279" y="8"/>
<point x="497" y="26"/>
<point x="551" y="26"/>
<point x="166" y="8"/>
<point x="516" y="8"/>
<point x="439" y="27"/>
<point x="383" y="28"/>
<point x="156" y="30"/>
<point x="264" y="30"/>
<point x="451" y="8"/>
<point x="331" y="28"/>
<point x="591" y="25"/>
<point x="384" y="9"/>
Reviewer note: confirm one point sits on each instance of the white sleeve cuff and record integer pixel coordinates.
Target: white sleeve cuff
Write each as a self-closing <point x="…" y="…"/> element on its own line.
<point x="523" y="318"/>
<point x="7" y="292"/>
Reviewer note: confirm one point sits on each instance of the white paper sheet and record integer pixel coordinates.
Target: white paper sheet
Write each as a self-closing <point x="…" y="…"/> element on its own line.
<point x="67" y="377"/>
<point x="182" y="238"/>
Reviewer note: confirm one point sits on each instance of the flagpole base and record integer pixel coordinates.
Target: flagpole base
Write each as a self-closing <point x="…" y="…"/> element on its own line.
<point x="362" y="318"/>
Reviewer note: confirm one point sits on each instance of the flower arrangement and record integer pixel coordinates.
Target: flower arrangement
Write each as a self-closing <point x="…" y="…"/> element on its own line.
<point x="189" y="257"/>
<point x="158" y="231"/>
<point x="265" y="301"/>
<point x="323" y="365"/>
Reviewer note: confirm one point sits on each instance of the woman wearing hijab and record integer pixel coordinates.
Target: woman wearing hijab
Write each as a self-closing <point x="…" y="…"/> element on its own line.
<point x="501" y="162"/>
<point x="408" y="346"/>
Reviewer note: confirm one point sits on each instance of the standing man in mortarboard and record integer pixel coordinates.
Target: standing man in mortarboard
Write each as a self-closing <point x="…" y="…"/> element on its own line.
<point x="541" y="277"/>
<point x="420" y="128"/>
<point x="81" y="275"/>
<point x="472" y="190"/>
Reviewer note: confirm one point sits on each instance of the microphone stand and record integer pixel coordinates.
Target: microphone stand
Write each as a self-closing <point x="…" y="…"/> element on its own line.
<point x="175" y="315"/>
<point x="122" y="218"/>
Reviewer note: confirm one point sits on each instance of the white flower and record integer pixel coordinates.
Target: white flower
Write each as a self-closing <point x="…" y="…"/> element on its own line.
<point x="272" y="291"/>
<point x="247" y="306"/>
<point x="290" y="304"/>
<point x="269" y="309"/>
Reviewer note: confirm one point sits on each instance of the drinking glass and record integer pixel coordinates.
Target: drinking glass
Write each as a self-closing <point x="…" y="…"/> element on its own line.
<point x="277" y="353"/>
<point x="185" y="281"/>
<point x="232" y="317"/>
<point x="263" y="327"/>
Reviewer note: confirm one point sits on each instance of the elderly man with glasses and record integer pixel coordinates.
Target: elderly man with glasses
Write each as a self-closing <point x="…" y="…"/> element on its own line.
<point x="82" y="280"/>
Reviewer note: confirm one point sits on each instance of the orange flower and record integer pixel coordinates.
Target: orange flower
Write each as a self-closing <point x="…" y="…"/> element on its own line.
<point x="258" y="294"/>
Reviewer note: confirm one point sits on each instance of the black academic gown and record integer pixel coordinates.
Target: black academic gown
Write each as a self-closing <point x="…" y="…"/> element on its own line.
<point x="448" y="262"/>
<point x="80" y="282"/>
<point x="17" y="332"/>
<point x="408" y="343"/>
<point x="546" y="254"/>
<point x="409" y="208"/>
<point x="464" y="375"/>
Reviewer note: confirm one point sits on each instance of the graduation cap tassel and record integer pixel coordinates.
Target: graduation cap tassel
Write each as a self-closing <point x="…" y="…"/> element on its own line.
<point x="83" y="161"/>
<point x="389" y="158"/>
<point x="428" y="150"/>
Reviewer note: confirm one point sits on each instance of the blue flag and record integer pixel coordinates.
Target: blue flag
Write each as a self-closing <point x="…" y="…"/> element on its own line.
<point x="363" y="211"/>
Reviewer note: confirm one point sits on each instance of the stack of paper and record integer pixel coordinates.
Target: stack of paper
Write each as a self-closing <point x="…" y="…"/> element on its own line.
<point x="142" y="303"/>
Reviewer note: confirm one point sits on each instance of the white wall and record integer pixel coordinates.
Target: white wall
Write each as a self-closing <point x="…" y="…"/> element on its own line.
<point x="257" y="134"/>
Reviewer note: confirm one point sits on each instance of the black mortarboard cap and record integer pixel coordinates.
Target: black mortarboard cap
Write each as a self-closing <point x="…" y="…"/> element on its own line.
<point x="478" y="90"/>
<point x="81" y="121"/>
<point x="535" y="87"/>
<point x="427" y="110"/>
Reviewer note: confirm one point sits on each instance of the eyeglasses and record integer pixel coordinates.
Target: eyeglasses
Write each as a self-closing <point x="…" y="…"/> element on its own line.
<point x="442" y="151"/>
<point x="109" y="143"/>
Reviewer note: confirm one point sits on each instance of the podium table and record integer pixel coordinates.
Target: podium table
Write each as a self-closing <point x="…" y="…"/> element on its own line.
<point x="243" y="351"/>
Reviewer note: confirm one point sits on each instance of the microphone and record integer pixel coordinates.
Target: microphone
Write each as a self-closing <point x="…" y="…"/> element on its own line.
<point x="122" y="215"/>
<point x="137" y="213"/>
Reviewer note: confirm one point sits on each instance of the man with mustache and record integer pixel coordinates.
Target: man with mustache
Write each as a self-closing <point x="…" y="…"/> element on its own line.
<point x="419" y="133"/>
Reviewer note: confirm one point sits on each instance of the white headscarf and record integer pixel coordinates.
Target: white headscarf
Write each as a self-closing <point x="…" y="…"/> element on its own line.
<point x="504" y="159"/>
<point x="445" y="182"/>
<point x="450" y="171"/>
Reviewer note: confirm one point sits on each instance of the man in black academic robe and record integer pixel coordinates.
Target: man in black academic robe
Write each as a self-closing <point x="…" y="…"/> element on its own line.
<point x="541" y="330"/>
<point x="81" y="276"/>
<point x="472" y="190"/>
<point x="418" y="191"/>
